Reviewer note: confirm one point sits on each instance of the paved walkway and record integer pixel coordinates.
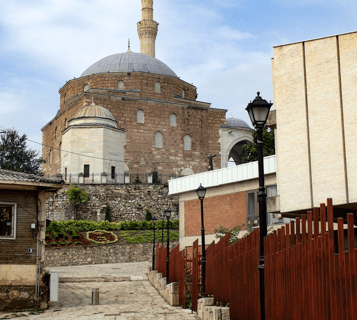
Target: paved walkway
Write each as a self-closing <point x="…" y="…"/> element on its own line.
<point x="125" y="293"/>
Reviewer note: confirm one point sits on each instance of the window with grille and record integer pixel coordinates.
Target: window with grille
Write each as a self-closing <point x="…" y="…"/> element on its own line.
<point x="173" y="120"/>
<point x="8" y="220"/>
<point x="120" y="84"/>
<point x="86" y="87"/>
<point x="86" y="171"/>
<point x="140" y="116"/>
<point x="158" y="140"/>
<point x="187" y="142"/>
<point x="157" y="87"/>
<point x="113" y="172"/>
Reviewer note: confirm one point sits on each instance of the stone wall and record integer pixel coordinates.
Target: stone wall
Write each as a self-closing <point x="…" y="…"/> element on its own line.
<point x="114" y="253"/>
<point x="15" y="298"/>
<point x="127" y="203"/>
<point x="194" y="118"/>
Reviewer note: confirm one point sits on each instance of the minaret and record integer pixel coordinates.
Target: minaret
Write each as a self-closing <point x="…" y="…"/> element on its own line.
<point x="147" y="28"/>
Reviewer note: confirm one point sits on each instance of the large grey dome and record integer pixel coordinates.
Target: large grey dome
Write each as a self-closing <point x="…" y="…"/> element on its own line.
<point x="235" y="122"/>
<point x="129" y="62"/>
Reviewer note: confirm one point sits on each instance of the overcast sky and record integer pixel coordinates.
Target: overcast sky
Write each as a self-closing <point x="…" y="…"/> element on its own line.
<point x="224" y="47"/>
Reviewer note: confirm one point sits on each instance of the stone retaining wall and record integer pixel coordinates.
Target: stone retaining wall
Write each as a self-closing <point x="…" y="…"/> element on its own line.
<point x="128" y="202"/>
<point x="97" y="254"/>
<point x="15" y="298"/>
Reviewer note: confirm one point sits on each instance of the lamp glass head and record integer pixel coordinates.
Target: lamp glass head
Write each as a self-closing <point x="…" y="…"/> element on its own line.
<point x="201" y="192"/>
<point x="168" y="213"/>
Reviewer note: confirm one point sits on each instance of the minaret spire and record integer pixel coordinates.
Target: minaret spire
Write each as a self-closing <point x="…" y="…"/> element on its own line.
<point x="147" y="28"/>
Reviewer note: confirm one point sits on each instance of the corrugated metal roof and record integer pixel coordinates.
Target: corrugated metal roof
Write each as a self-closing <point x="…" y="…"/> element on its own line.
<point x="25" y="177"/>
<point x="209" y="179"/>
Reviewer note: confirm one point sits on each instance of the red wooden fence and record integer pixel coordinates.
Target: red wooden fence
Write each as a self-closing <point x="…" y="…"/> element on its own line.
<point x="304" y="277"/>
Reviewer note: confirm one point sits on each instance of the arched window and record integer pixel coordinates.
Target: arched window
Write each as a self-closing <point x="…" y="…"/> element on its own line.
<point x="158" y="139"/>
<point x="55" y="132"/>
<point x="157" y="87"/>
<point x="59" y="150"/>
<point x="140" y="116"/>
<point x="64" y="97"/>
<point x="65" y="123"/>
<point x="183" y="93"/>
<point x="86" y="87"/>
<point x="120" y="84"/>
<point x="173" y="120"/>
<point x="187" y="142"/>
<point x="50" y="156"/>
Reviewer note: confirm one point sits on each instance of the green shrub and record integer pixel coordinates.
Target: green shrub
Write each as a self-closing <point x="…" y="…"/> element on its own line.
<point x="54" y="234"/>
<point x="61" y="242"/>
<point x="78" y="242"/>
<point x="53" y="243"/>
<point x="71" y="226"/>
<point x="47" y="236"/>
<point x="107" y="214"/>
<point x="148" y="216"/>
<point x="76" y="194"/>
<point x="69" y="242"/>
<point x="75" y="235"/>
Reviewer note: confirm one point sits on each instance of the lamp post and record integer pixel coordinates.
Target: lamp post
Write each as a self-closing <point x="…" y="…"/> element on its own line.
<point x="153" y="244"/>
<point x="168" y="215"/>
<point x="162" y="230"/>
<point x="201" y="193"/>
<point x="258" y="111"/>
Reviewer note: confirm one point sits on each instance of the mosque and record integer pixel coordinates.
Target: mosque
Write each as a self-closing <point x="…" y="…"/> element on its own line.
<point x="130" y="117"/>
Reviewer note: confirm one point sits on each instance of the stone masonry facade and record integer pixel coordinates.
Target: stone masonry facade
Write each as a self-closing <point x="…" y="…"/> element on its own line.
<point x="193" y="118"/>
<point x="127" y="203"/>
<point x="113" y="253"/>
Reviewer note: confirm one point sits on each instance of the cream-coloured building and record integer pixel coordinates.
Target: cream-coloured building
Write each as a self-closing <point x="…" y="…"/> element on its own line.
<point x="93" y="144"/>
<point x="315" y="94"/>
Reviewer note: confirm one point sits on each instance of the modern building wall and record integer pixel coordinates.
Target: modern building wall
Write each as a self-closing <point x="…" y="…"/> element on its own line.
<point x="225" y="203"/>
<point x="314" y="92"/>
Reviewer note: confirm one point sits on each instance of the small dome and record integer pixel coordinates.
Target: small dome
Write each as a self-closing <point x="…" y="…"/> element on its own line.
<point x="129" y="62"/>
<point x="235" y="122"/>
<point x="94" y="111"/>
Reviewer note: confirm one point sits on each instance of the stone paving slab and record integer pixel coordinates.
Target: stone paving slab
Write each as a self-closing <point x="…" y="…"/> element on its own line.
<point x="101" y="272"/>
<point x="133" y="300"/>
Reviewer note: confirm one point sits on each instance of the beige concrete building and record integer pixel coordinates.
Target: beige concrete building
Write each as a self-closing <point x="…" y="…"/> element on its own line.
<point x="315" y="94"/>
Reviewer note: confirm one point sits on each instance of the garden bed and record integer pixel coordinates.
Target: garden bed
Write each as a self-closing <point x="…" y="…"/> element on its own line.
<point x="123" y="237"/>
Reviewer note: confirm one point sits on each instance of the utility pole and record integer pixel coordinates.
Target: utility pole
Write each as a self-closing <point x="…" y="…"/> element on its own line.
<point x="210" y="165"/>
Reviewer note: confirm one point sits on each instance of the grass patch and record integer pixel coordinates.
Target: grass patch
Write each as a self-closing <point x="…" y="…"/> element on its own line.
<point x="147" y="236"/>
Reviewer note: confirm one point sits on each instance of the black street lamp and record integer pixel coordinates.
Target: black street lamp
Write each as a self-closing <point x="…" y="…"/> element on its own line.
<point x="168" y="215"/>
<point x="258" y="111"/>
<point x="201" y="193"/>
<point x="153" y="244"/>
<point x="162" y="230"/>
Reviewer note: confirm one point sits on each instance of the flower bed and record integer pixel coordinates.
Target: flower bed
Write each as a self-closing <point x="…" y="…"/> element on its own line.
<point x="101" y="237"/>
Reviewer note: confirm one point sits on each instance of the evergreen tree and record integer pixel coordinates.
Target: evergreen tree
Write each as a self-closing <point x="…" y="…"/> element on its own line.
<point x="14" y="154"/>
<point x="268" y="146"/>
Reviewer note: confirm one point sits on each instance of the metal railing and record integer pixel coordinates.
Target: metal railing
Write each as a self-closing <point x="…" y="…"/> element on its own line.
<point x="108" y="178"/>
